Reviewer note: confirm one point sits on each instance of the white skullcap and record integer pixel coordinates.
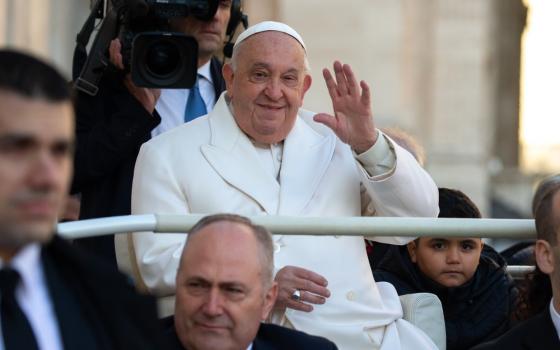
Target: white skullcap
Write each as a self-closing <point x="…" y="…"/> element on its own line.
<point x="269" y="26"/>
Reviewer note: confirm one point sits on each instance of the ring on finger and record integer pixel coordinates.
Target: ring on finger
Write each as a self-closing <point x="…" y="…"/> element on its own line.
<point x="296" y="295"/>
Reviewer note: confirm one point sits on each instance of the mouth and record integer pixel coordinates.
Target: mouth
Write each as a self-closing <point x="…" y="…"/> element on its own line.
<point x="270" y="107"/>
<point x="39" y="208"/>
<point x="211" y="327"/>
<point x="452" y="273"/>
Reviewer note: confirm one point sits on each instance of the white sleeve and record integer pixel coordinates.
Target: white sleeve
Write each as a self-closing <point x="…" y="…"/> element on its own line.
<point x="155" y="190"/>
<point x="406" y="191"/>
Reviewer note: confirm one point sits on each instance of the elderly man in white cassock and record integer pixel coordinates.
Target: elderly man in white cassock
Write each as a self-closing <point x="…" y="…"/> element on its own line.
<point x="257" y="153"/>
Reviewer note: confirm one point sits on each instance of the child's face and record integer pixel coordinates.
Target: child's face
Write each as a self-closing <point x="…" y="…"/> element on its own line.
<point x="449" y="261"/>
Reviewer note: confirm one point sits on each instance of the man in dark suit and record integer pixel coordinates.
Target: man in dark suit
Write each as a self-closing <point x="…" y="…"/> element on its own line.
<point x="225" y="290"/>
<point x="113" y="125"/>
<point x="542" y="331"/>
<point x="51" y="296"/>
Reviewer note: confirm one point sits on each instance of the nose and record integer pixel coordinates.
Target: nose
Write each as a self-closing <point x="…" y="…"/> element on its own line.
<point x="452" y="256"/>
<point x="46" y="172"/>
<point x="213" y="305"/>
<point x="273" y="90"/>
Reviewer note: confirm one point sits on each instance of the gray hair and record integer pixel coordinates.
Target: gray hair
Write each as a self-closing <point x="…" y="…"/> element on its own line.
<point x="261" y="234"/>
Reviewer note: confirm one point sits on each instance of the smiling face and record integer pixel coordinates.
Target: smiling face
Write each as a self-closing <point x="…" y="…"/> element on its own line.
<point x="36" y="138"/>
<point x="221" y="297"/>
<point x="267" y="85"/>
<point x="450" y="262"/>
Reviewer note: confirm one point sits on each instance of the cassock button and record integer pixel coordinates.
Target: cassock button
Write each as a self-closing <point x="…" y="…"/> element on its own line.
<point x="351" y="296"/>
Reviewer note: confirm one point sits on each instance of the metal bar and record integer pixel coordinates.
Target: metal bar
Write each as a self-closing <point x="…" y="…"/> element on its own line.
<point x="106" y="226"/>
<point x="519" y="271"/>
<point x="340" y="226"/>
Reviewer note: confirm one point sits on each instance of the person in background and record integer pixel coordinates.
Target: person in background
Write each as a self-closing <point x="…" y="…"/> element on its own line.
<point x="113" y="125"/>
<point x="543" y="330"/>
<point x="469" y="277"/>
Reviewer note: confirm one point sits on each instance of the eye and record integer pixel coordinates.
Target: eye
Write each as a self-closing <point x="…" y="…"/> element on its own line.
<point x="17" y="146"/>
<point x="259" y="76"/>
<point x="290" y="79"/>
<point x="62" y="150"/>
<point x="438" y="245"/>
<point x="467" y="246"/>
<point x="196" y="287"/>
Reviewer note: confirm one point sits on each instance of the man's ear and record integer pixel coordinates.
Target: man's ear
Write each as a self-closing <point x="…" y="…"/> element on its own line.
<point x="307" y="80"/>
<point x="269" y="300"/>
<point x="411" y="247"/>
<point x="544" y="256"/>
<point x="227" y="73"/>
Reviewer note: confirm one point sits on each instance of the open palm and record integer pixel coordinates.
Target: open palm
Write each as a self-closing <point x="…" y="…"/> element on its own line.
<point x="353" y="119"/>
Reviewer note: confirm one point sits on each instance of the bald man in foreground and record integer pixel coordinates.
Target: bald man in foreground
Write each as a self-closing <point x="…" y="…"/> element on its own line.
<point x="226" y="287"/>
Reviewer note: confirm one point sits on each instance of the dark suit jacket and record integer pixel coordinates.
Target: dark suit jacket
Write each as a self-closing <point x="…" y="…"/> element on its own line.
<point x="97" y="308"/>
<point x="269" y="337"/>
<point x="537" y="333"/>
<point x="110" y="128"/>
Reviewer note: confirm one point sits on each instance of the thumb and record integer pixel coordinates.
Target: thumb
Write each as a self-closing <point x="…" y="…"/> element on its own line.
<point x="325" y="119"/>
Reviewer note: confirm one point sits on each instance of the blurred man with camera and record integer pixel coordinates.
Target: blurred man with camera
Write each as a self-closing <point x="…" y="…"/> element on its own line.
<point x="112" y="126"/>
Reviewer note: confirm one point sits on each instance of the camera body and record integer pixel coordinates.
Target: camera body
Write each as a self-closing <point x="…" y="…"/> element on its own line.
<point x="156" y="56"/>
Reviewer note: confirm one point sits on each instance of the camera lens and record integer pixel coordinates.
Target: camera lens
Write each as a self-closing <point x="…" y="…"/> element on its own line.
<point x="163" y="58"/>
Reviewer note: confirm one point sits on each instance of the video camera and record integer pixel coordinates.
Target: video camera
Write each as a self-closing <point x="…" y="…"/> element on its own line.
<point x="155" y="56"/>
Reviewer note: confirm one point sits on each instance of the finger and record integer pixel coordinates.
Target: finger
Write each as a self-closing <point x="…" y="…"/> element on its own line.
<point x="342" y="85"/>
<point x="351" y="80"/>
<point x="366" y="93"/>
<point x="331" y="84"/>
<point x="312" y="298"/>
<point x="311" y="276"/>
<point x="309" y="286"/>
<point x="327" y="120"/>
<point x="115" y="53"/>
<point x="298" y="305"/>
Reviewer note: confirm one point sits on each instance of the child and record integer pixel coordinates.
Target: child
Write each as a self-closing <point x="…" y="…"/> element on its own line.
<point x="470" y="278"/>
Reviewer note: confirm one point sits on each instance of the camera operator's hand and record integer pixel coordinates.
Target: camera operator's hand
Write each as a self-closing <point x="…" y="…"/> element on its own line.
<point x="147" y="97"/>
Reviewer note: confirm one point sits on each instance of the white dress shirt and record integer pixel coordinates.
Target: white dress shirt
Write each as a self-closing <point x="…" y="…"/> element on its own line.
<point x="172" y="103"/>
<point x="555" y="318"/>
<point x="34" y="299"/>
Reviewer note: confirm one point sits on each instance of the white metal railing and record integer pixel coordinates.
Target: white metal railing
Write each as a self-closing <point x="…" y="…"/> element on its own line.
<point x="340" y="226"/>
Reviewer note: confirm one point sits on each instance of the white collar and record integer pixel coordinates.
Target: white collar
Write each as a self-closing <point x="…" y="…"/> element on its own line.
<point x="555" y="317"/>
<point x="205" y="71"/>
<point x="27" y="263"/>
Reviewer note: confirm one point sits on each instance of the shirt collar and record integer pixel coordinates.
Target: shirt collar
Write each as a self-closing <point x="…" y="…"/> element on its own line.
<point x="205" y="71"/>
<point x="555" y="318"/>
<point x="27" y="263"/>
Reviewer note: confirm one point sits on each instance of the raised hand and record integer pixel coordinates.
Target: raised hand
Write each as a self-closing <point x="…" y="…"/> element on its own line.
<point x="353" y="119"/>
<point x="147" y="97"/>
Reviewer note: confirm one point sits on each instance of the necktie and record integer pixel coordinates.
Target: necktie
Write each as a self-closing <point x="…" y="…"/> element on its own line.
<point x="16" y="330"/>
<point x="195" y="104"/>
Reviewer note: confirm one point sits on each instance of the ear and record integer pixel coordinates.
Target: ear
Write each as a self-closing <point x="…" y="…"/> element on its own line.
<point x="269" y="300"/>
<point x="227" y="73"/>
<point x="307" y="80"/>
<point x="411" y="247"/>
<point x="544" y="256"/>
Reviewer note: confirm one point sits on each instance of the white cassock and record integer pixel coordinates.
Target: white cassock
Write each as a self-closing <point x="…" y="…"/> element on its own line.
<point x="210" y="166"/>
